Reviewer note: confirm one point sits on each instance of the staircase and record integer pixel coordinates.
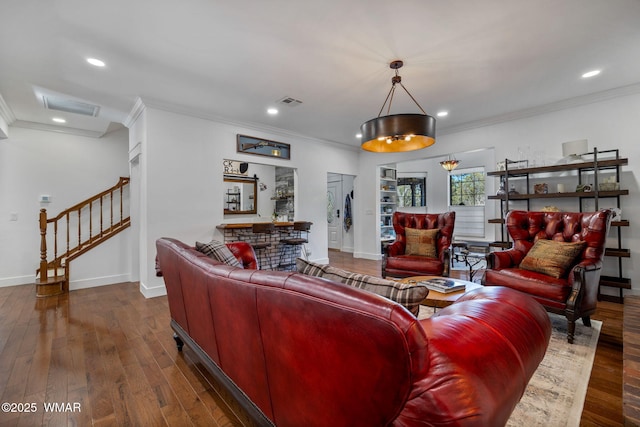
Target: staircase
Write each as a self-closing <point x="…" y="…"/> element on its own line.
<point x="77" y="230"/>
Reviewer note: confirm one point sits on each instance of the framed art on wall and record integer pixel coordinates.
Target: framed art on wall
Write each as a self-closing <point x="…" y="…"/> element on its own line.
<point x="263" y="147"/>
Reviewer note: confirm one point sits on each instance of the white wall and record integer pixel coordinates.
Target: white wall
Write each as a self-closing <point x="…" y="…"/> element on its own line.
<point x="181" y="164"/>
<point x="607" y="124"/>
<point x="70" y="169"/>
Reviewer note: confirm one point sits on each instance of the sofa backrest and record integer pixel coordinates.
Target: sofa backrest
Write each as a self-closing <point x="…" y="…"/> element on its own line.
<point x="526" y="227"/>
<point x="444" y="221"/>
<point x="297" y="345"/>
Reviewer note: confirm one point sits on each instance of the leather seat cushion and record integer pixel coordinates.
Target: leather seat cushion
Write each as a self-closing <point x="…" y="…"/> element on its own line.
<point x="547" y="290"/>
<point x="414" y="263"/>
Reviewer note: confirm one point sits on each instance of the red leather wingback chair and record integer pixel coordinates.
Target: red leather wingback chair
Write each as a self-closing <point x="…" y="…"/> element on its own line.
<point x="397" y="263"/>
<point x="574" y="294"/>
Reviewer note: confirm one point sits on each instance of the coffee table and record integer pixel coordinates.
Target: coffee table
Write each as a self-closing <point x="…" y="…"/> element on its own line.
<point x="438" y="299"/>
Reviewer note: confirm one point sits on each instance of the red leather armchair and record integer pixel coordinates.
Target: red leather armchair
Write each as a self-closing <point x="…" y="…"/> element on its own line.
<point x="397" y="263"/>
<point x="575" y="293"/>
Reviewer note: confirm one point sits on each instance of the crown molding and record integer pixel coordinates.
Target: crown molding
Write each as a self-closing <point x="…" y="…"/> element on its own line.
<point x="58" y="129"/>
<point x="179" y="109"/>
<point x="546" y="108"/>
<point x="135" y="112"/>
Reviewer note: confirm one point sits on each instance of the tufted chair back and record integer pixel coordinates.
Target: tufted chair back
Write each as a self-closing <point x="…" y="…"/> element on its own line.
<point x="526" y="227"/>
<point x="444" y="221"/>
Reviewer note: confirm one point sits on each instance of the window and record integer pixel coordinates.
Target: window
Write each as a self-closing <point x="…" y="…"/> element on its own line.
<point x="411" y="192"/>
<point x="466" y="188"/>
<point x="466" y="198"/>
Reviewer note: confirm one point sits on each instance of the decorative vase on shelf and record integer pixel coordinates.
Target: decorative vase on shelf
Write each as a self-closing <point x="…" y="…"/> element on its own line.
<point x="501" y="190"/>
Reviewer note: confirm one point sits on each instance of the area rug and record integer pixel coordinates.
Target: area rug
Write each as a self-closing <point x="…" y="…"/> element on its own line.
<point x="555" y="395"/>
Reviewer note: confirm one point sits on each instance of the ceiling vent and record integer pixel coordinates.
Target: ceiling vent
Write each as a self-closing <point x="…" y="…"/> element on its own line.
<point x="70" y="106"/>
<point x="288" y="101"/>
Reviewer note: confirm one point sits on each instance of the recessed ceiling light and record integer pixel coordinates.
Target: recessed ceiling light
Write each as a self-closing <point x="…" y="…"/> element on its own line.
<point x="272" y="111"/>
<point x="442" y="114"/>
<point x="358" y="135"/>
<point x="96" y="62"/>
<point x="59" y="120"/>
<point x="590" y="74"/>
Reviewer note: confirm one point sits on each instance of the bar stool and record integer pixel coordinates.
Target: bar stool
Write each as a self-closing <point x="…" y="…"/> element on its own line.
<point x="293" y="244"/>
<point x="261" y="242"/>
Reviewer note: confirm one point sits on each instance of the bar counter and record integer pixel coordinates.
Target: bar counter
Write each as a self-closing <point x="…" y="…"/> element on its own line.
<point x="276" y="256"/>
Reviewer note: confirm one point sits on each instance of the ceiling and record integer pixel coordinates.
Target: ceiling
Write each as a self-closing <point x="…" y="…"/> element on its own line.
<point x="483" y="61"/>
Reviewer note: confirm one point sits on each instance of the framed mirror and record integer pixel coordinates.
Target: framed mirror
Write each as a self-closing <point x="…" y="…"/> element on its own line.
<point x="240" y="195"/>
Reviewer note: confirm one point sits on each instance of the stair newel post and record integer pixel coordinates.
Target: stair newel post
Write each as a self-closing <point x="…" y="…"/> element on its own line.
<point x="43" y="245"/>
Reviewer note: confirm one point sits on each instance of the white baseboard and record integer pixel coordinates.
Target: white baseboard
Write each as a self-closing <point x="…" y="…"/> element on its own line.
<point x="98" y="281"/>
<point x="366" y="255"/>
<point x="156" y="291"/>
<point x="17" y="280"/>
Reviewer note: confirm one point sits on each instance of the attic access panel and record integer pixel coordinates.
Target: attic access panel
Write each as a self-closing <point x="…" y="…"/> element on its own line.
<point x="263" y="147"/>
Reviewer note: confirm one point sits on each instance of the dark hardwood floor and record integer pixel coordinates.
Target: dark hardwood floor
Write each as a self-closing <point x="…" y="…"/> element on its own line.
<point x="111" y="350"/>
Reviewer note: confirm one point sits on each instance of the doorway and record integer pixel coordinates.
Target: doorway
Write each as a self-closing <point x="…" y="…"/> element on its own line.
<point x="340" y="197"/>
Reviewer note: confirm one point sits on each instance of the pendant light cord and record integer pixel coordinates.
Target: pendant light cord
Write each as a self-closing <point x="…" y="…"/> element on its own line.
<point x="394" y="80"/>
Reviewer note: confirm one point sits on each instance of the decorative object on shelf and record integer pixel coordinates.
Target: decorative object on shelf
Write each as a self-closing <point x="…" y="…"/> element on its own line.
<point x="541" y="188"/>
<point x="617" y="214"/>
<point x="572" y="151"/>
<point x="512" y="189"/>
<point x="500" y="166"/>
<point x="550" y="209"/>
<point x="262" y="147"/>
<point x="583" y="188"/>
<point x="398" y="132"/>
<point x="450" y="164"/>
<point x="609" y="184"/>
<point x="561" y="188"/>
<point x="501" y="191"/>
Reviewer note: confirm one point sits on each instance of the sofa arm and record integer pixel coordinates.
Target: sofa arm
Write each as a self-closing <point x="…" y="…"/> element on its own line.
<point x="507" y="330"/>
<point x="445" y="257"/>
<point x="244" y="252"/>
<point x="394" y="249"/>
<point x="504" y="259"/>
<point x="585" y="281"/>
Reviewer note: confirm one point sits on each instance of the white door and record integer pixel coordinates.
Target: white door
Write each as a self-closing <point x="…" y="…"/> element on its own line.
<point x="334" y="213"/>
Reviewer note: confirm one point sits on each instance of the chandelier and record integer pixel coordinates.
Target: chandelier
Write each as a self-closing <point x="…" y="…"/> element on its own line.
<point x="398" y="132"/>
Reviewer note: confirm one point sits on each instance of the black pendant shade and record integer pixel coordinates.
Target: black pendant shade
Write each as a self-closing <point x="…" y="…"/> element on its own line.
<point x="398" y="132"/>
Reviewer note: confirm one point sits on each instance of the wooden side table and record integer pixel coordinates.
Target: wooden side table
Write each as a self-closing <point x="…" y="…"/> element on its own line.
<point x="438" y="299"/>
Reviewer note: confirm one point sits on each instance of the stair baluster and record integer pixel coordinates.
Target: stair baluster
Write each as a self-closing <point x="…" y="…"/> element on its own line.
<point x="47" y="284"/>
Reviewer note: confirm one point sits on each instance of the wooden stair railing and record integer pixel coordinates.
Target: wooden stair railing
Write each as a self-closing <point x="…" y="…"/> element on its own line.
<point x="96" y="222"/>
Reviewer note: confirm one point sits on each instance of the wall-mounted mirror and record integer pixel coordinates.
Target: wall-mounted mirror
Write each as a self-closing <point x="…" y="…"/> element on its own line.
<point x="240" y="195"/>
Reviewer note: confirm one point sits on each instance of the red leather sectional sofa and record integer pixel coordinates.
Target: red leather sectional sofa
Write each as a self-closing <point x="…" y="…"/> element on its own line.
<point x="297" y="350"/>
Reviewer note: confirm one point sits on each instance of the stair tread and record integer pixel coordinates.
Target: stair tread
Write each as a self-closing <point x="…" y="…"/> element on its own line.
<point x="53" y="280"/>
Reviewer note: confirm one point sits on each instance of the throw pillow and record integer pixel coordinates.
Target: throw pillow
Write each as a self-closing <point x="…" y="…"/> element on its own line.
<point x="309" y="268"/>
<point x="421" y="242"/>
<point x="552" y="258"/>
<point x="406" y="294"/>
<point x="218" y="251"/>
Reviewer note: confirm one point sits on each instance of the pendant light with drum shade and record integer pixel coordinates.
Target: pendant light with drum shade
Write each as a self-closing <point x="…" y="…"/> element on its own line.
<point x="398" y="132"/>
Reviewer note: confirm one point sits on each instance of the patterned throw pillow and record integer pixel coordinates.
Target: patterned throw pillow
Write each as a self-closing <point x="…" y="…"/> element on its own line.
<point x="408" y="295"/>
<point x="218" y="251"/>
<point x="309" y="268"/>
<point x="552" y="258"/>
<point x="421" y="242"/>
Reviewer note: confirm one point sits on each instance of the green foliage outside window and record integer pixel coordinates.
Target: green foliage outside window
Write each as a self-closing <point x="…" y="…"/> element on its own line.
<point x="467" y="189"/>
<point x="411" y="192"/>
